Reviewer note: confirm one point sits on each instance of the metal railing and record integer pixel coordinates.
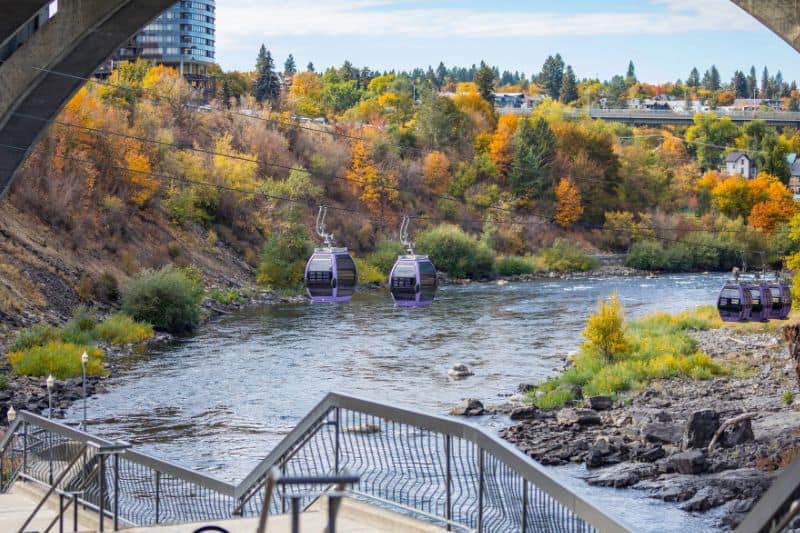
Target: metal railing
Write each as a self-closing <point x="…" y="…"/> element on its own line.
<point x="433" y="468"/>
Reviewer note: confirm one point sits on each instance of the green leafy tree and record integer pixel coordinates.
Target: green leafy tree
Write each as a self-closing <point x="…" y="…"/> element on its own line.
<point x="440" y="123"/>
<point x="709" y="135"/>
<point x="267" y="85"/>
<point x="339" y="97"/>
<point x="569" y="87"/>
<point x="534" y="152"/>
<point x="617" y="91"/>
<point x="484" y="79"/>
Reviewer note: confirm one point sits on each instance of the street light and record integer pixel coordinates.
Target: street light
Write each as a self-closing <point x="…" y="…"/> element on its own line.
<point x="84" y="362"/>
<point x="11" y="415"/>
<point x="50" y="382"/>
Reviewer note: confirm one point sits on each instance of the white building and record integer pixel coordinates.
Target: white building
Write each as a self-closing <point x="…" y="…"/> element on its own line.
<point x="740" y="164"/>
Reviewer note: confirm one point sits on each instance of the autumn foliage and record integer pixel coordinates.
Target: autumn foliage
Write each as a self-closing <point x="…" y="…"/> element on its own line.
<point x="375" y="188"/>
<point x="436" y="172"/>
<point x="568" y="203"/>
<point x="500" y="147"/>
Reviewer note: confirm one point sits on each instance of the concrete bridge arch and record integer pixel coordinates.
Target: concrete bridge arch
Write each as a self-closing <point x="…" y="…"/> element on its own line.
<point x="84" y="33"/>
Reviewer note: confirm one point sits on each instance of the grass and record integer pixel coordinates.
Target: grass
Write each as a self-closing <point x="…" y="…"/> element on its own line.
<point x="658" y="347"/>
<point x="3" y="382"/>
<point x="516" y="266"/>
<point x="60" y="359"/>
<point x="788" y="397"/>
<point x="368" y="273"/>
<point x="122" y="329"/>
<point x="229" y="296"/>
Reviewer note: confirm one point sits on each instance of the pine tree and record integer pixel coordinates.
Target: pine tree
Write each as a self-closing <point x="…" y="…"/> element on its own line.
<point x="267" y="85"/>
<point x="227" y="94"/>
<point x="739" y="84"/>
<point x="765" y="83"/>
<point x="714" y="79"/>
<point x="289" y="66"/>
<point x="569" y="87"/>
<point x="484" y="78"/>
<point x="630" y="76"/>
<point x="441" y="72"/>
<point x="752" y="83"/>
<point x="551" y="75"/>
<point x="534" y="153"/>
<point x="310" y="67"/>
<point x="694" y="78"/>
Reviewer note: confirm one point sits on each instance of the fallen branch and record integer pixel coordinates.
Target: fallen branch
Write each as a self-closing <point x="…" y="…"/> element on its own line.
<point x="727" y="423"/>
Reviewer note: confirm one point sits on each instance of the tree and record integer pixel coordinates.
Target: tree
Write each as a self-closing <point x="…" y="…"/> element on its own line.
<point x="752" y="83"/>
<point x="376" y="189"/>
<point x="739" y="83"/>
<point x="630" y="76"/>
<point x="441" y="73"/>
<point x="500" y="148"/>
<point x="227" y="94"/>
<point x="694" y="78"/>
<point x="305" y="94"/>
<point x="569" y="87"/>
<point x="534" y="152"/>
<point x="267" y="85"/>
<point x="616" y="95"/>
<point x="436" y="172"/>
<point x="440" y="124"/>
<point x="289" y="66"/>
<point x="714" y="79"/>
<point x="550" y="77"/>
<point x="484" y="78"/>
<point x="765" y="85"/>
<point x="776" y="205"/>
<point x="733" y="197"/>
<point x="605" y="329"/>
<point x="709" y="135"/>
<point x="339" y="97"/>
<point x="568" y="203"/>
<point x="310" y="67"/>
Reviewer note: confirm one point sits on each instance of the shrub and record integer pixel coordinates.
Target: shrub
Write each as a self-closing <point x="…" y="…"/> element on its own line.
<point x="456" y="252"/>
<point x="385" y="254"/>
<point x="368" y="274"/>
<point x="34" y="336"/>
<point x="646" y="255"/>
<point x="120" y="328"/>
<point x="80" y="329"/>
<point x="515" y="266"/>
<point x="788" y="397"/>
<point x="3" y="382"/>
<point x="564" y="256"/>
<point x="169" y="299"/>
<point x="62" y="360"/>
<point x="605" y="330"/>
<point x="107" y="288"/>
<point x="284" y="257"/>
<point x="225" y="296"/>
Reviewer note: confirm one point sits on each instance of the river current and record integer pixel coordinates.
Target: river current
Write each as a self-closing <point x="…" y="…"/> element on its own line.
<point x="220" y="400"/>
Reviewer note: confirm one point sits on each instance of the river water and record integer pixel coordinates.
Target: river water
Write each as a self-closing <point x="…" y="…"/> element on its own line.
<point x="221" y="399"/>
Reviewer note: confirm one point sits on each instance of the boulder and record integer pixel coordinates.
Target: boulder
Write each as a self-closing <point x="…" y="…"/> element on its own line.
<point x="469" y="407"/>
<point x="689" y="462"/>
<point x="525" y="388"/>
<point x="460" y="371"/>
<point x="650" y="455"/>
<point x="527" y="412"/>
<point x="662" y="432"/>
<point x="619" y="476"/>
<point x="700" y="429"/>
<point x="581" y="417"/>
<point x="737" y="434"/>
<point x="599" y="403"/>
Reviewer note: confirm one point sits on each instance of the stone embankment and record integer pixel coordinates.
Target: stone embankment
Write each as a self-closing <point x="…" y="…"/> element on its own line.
<point x="704" y="444"/>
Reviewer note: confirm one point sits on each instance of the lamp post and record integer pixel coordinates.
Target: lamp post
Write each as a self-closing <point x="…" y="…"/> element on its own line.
<point x="84" y="362"/>
<point x="11" y="415"/>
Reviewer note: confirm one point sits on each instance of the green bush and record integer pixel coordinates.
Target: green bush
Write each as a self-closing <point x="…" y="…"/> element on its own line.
<point x="515" y="266"/>
<point x="34" y="336"/>
<point x="228" y="296"/>
<point x="646" y="255"/>
<point x="62" y="360"/>
<point x="122" y="329"/>
<point x="80" y="329"/>
<point x="385" y="254"/>
<point x="3" y="381"/>
<point x="284" y="257"/>
<point x="367" y="273"/>
<point x="456" y="252"/>
<point x="564" y="256"/>
<point x="169" y="299"/>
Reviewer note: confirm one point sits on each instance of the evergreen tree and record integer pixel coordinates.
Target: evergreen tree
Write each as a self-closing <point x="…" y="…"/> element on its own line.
<point x="765" y="83"/>
<point x="694" y="78"/>
<point x="630" y="76"/>
<point x="289" y="66"/>
<point x="752" y="83"/>
<point x="714" y="79"/>
<point x="441" y="72"/>
<point x="267" y="85"/>
<point x="794" y="104"/>
<point x="227" y="94"/>
<point x="706" y="83"/>
<point x="569" y="87"/>
<point x="739" y="84"/>
<point x="484" y="78"/>
<point x="310" y="67"/>
<point x="551" y="75"/>
<point x="534" y="153"/>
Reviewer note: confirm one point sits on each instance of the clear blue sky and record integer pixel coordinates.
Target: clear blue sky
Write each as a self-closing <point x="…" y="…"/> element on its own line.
<point x="664" y="38"/>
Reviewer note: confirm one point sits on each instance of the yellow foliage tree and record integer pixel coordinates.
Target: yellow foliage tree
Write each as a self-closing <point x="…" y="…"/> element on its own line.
<point x="143" y="185"/>
<point x="568" y="203"/>
<point x="500" y="148"/>
<point x="605" y="329"/>
<point x="436" y="172"/>
<point x="733" y="197"/>
<point x="233" y="168"/>
<point x="306" y="93"/>
<point x="376" y="189"/>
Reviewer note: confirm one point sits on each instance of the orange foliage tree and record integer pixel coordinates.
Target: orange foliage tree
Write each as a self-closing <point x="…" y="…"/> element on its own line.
<point x="500" y="148"/>
<point x="436" y="172"/>
<point x="773" y="203"/>
<point x="376" y="189"/>
<point x="568" y="203"/>
<point x="143" y="185"/>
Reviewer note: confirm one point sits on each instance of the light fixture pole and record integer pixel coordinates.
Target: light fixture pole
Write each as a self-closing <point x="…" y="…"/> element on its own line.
<point x="84" y="362"/>
<point x="11" y="415"/>
<point x="50" y="382"/>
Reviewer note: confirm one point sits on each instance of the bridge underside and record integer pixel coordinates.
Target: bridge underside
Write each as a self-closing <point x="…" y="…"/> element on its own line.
<point x="81" y="35"/>
<point x="85" y="32"/>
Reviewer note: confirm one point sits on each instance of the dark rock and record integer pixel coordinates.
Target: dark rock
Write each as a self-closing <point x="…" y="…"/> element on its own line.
<point x="525" y="388"/>
<point x="623" y="475"/>
<point x="662" y="432"/>
<point x="705" y="499"/>
<point x="738" y="434"/>
<point x="469" y="407"/>
<point x="581" y="417"/>
<point x="651" y="455"/>
<point x="689" y="462"/>
<point x="599" y="403"/>
<point x="700" y="429"/>
<point x="527" y="412"/>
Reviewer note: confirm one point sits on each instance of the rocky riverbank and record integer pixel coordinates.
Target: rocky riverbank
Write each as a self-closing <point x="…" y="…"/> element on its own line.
<point x="704" y="444"/>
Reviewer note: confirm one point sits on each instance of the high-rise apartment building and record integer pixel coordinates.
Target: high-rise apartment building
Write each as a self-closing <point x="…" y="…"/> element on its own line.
<point x="181" y="37"/>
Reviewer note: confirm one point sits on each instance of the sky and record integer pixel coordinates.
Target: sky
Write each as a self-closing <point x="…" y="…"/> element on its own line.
<point x="664" y="38"/>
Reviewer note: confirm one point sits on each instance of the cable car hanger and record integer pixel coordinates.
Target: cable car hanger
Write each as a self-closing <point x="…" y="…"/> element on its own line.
<point x="327" y="238"/>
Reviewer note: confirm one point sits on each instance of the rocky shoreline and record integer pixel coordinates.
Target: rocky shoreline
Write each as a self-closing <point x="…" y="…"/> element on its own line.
<point x="705" y="444"/>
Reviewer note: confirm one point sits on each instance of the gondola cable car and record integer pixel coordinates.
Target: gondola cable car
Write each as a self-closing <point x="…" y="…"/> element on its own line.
<point x="412" y="280"/>
<point x="781" y="297"/>
<point x="734" y="303"/>
<point x="330" y="274"/>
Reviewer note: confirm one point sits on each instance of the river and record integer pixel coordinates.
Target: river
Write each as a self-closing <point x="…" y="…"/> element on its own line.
<point x="220" y="400"/>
